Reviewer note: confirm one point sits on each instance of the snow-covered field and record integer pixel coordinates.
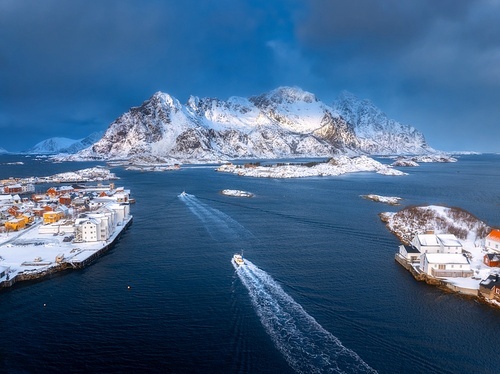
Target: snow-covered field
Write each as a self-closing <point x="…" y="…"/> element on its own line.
<point x="336" y="166"/>
<point x="29" y="252"/>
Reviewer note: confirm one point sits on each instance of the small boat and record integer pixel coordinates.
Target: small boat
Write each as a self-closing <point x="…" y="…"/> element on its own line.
<point x="238" y="260"/>
<point x="183" y="194"/>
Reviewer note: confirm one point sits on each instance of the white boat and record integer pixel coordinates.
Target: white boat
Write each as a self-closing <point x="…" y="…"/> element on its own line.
<point x="183" y="193"/>
<point x="238" y="260"/>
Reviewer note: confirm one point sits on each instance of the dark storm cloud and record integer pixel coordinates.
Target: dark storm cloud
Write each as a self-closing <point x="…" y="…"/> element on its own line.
<point x="434" y="64"/>
<point x="67" y="60"/>
<point x="68" y="68"/>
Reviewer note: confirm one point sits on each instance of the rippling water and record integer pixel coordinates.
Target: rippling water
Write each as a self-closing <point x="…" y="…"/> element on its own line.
<point x="322" y="291"/>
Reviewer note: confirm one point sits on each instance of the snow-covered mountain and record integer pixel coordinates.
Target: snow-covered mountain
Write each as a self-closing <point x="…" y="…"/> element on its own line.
<point x="377" y="133"/>
<point x="285" y="122"/>
<point x="3" y="150"/>
<point x="64" y="145"/>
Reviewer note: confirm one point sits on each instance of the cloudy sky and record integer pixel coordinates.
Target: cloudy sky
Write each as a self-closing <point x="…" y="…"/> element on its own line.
<point x="69" y="68"/>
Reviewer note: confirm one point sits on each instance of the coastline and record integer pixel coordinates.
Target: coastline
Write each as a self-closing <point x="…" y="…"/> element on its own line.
<point x="443" y="285"/>
<point x="82" y="259"/>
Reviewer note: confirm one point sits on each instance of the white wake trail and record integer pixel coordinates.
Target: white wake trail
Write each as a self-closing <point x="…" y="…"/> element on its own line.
<point x="219" y="225"/>
<point x="305" y="344"/>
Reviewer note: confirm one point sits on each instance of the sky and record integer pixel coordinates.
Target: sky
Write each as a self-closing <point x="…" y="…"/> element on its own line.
<point x="69" y="68"/>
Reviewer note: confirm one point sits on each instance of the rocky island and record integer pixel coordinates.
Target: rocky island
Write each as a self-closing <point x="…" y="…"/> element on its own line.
<point x="449" y="248"/>
<point x="335" y="166"/>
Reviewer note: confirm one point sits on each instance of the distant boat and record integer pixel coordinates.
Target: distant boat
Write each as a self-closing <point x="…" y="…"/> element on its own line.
<point x="238" y="260"/>
<point x="183" y="193"/>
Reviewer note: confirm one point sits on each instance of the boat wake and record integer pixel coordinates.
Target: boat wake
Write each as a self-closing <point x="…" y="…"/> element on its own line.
<point x="305" y="344"/>
<point x="218" y="224"/>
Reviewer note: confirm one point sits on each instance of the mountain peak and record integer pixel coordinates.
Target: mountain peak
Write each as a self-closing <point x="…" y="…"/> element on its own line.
<point x="290" y="95"/>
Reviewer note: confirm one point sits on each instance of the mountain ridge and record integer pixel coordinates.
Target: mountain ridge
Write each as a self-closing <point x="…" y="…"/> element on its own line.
<point x="284" y="122"/>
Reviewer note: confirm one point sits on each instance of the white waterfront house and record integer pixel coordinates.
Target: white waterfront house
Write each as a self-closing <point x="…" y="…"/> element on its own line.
<point x="446" y="265"/>
<point x="100" y="225"/>
<point x="410" y="253"/>
<point x="90" y="230"/>
<point x="441" y="243"/>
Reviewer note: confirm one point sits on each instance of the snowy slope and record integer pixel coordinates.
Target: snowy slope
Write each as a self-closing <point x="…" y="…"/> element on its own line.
<point x="210" y="129"/>
<point x="376" y="132"/>
<point x="64" y="145"/>
<point x="51" y="145"/>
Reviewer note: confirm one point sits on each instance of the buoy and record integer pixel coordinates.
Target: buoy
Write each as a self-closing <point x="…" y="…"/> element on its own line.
<point x="44" y="305"/>
<point x="128" y="287"/>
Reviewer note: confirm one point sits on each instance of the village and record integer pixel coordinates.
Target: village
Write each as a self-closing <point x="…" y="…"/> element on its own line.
<point x="66" y="227"/>
<point x="443" y="260"/>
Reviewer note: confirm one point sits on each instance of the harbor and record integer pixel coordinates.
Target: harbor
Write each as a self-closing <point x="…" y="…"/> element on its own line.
<point x="64" y="230"/>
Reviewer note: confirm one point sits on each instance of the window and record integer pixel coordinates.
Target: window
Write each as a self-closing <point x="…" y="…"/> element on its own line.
<point x="442" y="267"/>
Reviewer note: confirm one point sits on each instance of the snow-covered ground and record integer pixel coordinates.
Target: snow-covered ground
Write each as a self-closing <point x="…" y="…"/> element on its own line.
<point x="29" y="252"/>
<point x="336" y="166"/>
<point x="443" y="220"/>
<point x="90" y="175"/>
<point x="391" y="200"/>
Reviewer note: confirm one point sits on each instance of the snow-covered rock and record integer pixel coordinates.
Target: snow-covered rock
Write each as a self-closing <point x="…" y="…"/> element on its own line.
<point x="391" y="200"/>
<point x="97" y="173"/>
<point x="335" y="166"/>
<point x="404" y="162"/>
<point x="439" y="219"/>
<point x="237" y="193"/>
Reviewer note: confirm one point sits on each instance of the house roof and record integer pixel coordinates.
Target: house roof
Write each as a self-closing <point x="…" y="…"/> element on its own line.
<point x="490" y="282"/>
<point x="411" y="249"/>
<point x="427" y="239"/>
<point x="493" y="256"/>
<point x="449" y="240"/>
<point x="494" y="235"/>
<point x="446" y="258"/>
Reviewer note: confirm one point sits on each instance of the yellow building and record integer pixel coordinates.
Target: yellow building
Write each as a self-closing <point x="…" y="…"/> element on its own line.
<point x="51" y="217"/>
<point x="15" y="224"/>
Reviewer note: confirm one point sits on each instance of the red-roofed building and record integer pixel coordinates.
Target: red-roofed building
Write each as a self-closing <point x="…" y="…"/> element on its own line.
<point x="492" y="241"/>
<point x="492" y="259"/>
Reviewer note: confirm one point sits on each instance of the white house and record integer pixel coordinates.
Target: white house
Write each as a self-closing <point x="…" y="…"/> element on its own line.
<point x="449" y="243"/>
<point x="492" y="241"/>
<point x="90" y="230"/>
<point x="445" y="265"/>
<point x="409" y="253"/>
<point x="426" y="243"/>
<point x="441" y="243"/>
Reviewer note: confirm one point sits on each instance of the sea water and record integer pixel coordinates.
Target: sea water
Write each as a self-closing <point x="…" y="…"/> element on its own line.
<point x="321" y="291"/>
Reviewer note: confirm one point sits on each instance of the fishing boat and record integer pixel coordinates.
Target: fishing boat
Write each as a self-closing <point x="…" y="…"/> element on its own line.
<point x="238" y="260"/>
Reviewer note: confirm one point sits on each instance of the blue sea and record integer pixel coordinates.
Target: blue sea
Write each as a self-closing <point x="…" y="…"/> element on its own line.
<point x="321" y="292"/>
